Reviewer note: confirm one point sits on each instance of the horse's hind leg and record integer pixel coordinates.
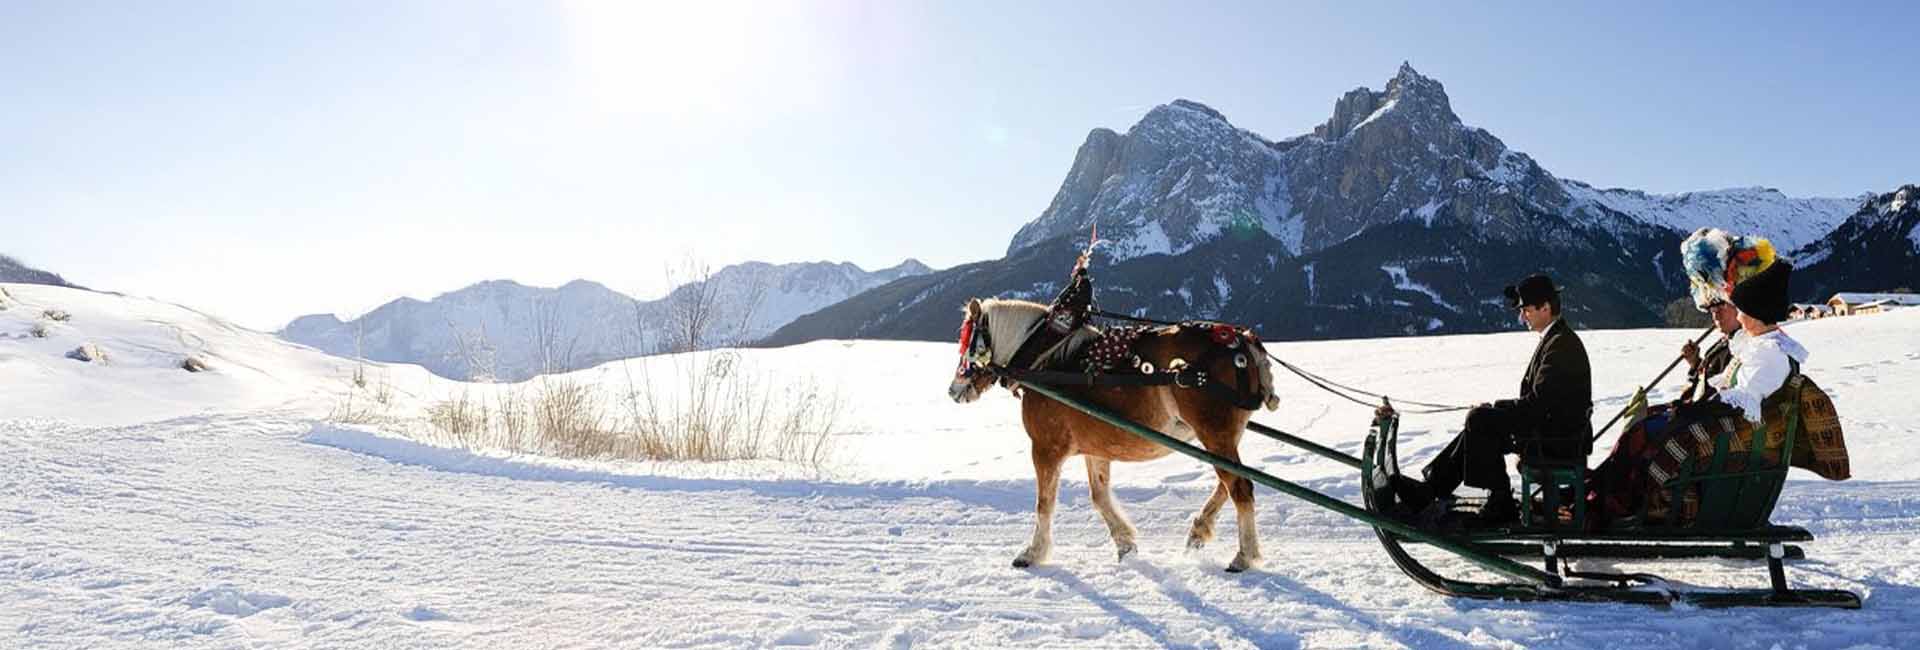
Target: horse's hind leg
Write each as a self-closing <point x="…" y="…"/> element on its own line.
<point x="1202" y="531"/>
<point x="1046" y="481"/>
<point x="1100" y="485"/>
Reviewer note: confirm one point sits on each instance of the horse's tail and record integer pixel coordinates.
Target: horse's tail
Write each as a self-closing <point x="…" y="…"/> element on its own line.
<point x="1264" y="361"/>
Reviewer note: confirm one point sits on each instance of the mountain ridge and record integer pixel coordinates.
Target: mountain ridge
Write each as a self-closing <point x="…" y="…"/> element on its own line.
<point x="502" y="330"/>
<point x="1393" y="180"/>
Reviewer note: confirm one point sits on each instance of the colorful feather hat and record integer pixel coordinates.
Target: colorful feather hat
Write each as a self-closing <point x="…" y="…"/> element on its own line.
<point x="1716" y="260"/>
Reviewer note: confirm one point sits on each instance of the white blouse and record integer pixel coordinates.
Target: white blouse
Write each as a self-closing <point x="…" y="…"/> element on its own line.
<point x="1760" y="366"/>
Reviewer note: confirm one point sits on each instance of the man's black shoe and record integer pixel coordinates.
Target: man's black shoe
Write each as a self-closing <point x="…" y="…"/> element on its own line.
<point x="1412" y="494"/>
<point x="1500" y="510"/>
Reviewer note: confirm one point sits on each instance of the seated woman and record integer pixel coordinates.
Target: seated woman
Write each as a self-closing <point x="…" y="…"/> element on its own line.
<point x="1652" y="452"/>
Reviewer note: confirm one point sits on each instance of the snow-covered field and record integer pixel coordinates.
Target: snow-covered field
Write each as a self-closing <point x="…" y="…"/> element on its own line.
<point x="145" y="506"/>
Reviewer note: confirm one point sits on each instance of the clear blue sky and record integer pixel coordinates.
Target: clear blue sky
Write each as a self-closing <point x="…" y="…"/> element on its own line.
<point x="261" y="160"/>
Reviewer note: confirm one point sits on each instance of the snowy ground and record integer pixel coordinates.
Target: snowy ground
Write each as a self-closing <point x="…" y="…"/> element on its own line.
<point x="143" y="506"/>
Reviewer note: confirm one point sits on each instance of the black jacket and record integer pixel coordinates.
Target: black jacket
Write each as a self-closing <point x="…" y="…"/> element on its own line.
<point x="1712" y="363"/>
<point x="1556" y="395"/>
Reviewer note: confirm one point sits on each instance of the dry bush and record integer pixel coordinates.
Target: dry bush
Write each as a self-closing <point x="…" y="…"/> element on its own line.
<point x="362" y="403"/>
<point x="723" y="411"/>
<point x="39" y="330"/>
<point x="194" y="364"/>
<point x="56" y="315"/>
<point x="571" y="420"/>
<point x="463" y="419"/>
<point x="718" y="413"/>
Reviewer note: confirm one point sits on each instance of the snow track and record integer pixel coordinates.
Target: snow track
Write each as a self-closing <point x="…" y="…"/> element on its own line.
<point x="259" y="530"/>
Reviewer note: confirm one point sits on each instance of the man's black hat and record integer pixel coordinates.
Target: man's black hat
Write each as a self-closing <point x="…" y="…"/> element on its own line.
<point x="1764" y="296"/>
<point x="1534" y="290"/>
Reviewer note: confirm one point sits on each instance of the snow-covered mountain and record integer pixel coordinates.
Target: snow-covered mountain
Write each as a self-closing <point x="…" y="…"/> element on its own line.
<point x="1184" y="175"/>
<point x="1876" y="249"/>
<point x="1790" y="222"/>
<point x="13" y="270"/>
<point x="502" y="330"/>
<point x="1393" y="216"/>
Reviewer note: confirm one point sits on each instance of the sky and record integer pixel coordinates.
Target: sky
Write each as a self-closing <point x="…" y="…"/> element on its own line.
<point x="262" y="160"/>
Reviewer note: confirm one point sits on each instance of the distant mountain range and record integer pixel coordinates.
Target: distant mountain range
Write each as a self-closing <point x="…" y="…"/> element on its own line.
<point x="1877" y="248"/>
<point x="12" y="270"/>
<point x="1392" y="217"/>
<point x="505" y="331"/>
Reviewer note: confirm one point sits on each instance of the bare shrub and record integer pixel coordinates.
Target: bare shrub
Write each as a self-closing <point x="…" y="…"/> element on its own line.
<point x="708" y="407"/>
<point x="194" y="364"/>
<point x="56" y="315"/>
<point x="722" y="410"/>
<point x="463" y="418"/>
<point x="39" y="330"/>
<point x="358" y="403"/>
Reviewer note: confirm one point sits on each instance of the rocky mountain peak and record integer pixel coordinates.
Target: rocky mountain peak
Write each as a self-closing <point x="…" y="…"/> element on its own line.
<point x="1410" y="94"/>
<point x="1182" y="121"/>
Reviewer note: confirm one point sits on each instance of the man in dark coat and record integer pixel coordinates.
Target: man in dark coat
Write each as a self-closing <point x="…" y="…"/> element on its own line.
<point x="1549" y="420"/>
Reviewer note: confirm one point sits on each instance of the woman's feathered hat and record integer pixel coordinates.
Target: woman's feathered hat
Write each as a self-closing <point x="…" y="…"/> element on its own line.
<point x="1716" y="260"/>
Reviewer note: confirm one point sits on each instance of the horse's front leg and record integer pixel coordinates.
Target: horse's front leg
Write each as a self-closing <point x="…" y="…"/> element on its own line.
<point x="1100" y="485"/>
<point x="1241" y="490"/>
<point x="1046" y="482"/>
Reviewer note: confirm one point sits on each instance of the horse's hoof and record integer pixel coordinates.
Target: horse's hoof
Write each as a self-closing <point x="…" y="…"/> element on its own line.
<point x="1021" y="563"/>
<point x="1125" y="550"/>
<point x="1240" y="564"/>
<point x="1236" y="568"/>
<point x="1196" y="543"/>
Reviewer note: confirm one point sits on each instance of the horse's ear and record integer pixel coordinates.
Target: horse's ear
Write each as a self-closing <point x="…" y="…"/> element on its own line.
<point x="973" y="307"/>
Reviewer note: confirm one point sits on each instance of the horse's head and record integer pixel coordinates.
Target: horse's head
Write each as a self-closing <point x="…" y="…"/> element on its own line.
<point x="972" y="377"/>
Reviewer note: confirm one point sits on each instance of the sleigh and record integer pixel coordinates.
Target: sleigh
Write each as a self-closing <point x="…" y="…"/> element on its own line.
<point x="1735" y="492"/>
<point x="1733" y="522"/>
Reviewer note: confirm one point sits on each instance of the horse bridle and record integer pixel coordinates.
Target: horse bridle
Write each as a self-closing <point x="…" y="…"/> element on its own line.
<point x="976" y="348"/>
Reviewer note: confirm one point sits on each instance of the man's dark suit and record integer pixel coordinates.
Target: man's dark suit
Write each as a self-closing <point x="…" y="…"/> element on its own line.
<point x="1549" y="420"/>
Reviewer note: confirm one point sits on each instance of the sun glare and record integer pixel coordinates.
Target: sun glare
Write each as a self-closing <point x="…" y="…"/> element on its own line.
<point x="689" y="60"/>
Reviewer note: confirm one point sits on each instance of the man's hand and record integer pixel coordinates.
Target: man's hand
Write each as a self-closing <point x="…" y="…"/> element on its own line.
<point x="1691" y="352"/>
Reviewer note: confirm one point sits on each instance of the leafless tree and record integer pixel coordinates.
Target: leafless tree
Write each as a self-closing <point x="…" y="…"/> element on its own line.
<point x="473" y="349"/>
<point x="693" y="305"/>
<point x="556" y="349"/>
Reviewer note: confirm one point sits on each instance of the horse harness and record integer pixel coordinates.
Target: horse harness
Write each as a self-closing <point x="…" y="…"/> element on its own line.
<point x="1110" y="360"/>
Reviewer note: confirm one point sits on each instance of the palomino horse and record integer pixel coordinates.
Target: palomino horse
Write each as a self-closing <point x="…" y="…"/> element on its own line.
<point x="1059" y="431"/>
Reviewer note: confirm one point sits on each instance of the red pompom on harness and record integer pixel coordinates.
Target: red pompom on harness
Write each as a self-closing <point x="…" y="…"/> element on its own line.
<point x="966" y="347"/>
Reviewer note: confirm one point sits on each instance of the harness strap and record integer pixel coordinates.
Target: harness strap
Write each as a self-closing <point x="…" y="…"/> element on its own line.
<point x="1188" y="376"/>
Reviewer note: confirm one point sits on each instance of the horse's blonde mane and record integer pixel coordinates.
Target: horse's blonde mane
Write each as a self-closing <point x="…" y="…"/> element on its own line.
<point x="1007" y="324"/>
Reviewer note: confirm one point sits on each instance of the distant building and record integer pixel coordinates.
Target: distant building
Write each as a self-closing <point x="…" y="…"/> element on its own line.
<point x="1876" y="307"/>
<point x="1846" y="303"/>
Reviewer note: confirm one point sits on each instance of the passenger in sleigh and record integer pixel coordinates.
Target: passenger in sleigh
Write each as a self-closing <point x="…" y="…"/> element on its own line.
<point x="1731" y="389"/>
<point x="1548" y="420"/>
<point x="1624" y="465"/>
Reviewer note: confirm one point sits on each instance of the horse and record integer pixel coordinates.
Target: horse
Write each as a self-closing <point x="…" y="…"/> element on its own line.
<point x="994" y="330"/>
